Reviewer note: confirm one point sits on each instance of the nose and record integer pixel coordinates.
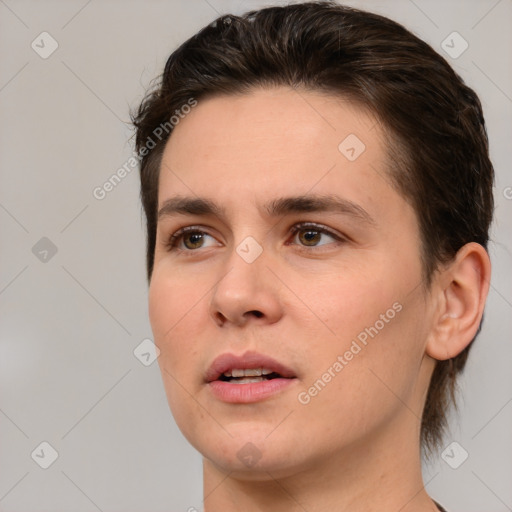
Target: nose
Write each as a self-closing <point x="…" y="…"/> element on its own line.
<point x="247" y="292"/>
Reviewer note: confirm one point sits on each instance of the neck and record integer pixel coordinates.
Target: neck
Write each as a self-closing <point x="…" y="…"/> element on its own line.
<point x="375" y="474"/>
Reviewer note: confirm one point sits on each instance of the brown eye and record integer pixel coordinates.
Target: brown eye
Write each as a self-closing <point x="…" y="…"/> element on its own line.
<point x="193" y="240"/>
<point x="189" y="239"/>
<point x="310" y="237"/>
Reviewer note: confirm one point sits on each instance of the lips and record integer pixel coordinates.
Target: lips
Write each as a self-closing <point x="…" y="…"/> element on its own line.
<point x="249" y="378"/>
<point x="226" y="363"/>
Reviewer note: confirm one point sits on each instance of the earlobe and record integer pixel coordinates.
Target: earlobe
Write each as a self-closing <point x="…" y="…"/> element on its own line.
<point x="463" y="287"/>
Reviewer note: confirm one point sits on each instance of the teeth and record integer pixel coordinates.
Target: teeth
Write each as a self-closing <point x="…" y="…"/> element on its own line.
<point x="252" y="372"/>
<point x="247" y="380"/>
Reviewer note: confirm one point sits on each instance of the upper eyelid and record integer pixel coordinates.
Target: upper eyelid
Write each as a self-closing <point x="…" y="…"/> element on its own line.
<point x="313" y="226"/>
<point x="295" y="226"/>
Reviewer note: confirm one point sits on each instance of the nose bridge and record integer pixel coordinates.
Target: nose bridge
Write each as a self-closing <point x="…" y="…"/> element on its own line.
<point x="246" y="286"/>
<point x="244" y="268"/>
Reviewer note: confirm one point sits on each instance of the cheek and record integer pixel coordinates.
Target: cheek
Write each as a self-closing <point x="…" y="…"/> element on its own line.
<point x="162" y="308"/>
<point x="171" y="298"/>
<point x="379" y="353"/>
<point x="171" y="310"/>
<point x="351" y="302"/>
<point x="376" y="327"/>
<point x="171" y="307"/>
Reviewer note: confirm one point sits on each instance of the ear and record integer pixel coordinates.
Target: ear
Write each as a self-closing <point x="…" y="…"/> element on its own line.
<point x="462" y="288"/>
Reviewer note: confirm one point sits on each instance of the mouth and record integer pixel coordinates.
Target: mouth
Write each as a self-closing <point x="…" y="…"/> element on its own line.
<point x="248" y="378"/>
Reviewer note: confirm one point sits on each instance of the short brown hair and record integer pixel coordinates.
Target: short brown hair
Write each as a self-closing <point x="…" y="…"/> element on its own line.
<point x="434" y="122"/>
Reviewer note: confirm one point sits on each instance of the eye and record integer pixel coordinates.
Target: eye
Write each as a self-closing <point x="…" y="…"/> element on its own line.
<point x="313" y="235"/>
<point x="190" y="238"/>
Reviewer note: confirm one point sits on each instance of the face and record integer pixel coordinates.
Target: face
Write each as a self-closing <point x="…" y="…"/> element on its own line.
<point x="286" y="295"/>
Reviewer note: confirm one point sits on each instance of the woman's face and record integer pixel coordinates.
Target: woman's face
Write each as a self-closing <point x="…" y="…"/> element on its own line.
<point x="300" y="263"/>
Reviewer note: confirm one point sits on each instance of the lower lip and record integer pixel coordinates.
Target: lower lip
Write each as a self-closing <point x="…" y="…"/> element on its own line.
<point x="248" y="393"/>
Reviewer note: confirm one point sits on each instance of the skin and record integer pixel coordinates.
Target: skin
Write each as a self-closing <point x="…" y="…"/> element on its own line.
<point x="355" y="445"/>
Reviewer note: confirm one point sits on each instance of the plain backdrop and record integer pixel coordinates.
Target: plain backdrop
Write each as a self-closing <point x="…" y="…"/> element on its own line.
<point x="73" y="295"/>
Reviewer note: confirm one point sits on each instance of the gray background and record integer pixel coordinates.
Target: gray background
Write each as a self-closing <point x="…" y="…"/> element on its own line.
<point x="71" y="321"/>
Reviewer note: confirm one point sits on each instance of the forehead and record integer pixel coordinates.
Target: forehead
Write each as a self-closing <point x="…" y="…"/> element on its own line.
<point x="272" y="142"/>
<point x="270" y="124"/>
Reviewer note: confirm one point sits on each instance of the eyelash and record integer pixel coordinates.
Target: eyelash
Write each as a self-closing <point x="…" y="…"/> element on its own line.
<point x="175" y="238"/>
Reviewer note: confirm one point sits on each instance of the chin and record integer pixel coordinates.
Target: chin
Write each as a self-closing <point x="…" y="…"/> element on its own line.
<point x="250" y="453"/>
<point x="269" y="466"/>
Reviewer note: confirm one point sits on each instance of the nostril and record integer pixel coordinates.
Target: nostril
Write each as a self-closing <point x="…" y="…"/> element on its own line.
<point x="220" y="317"/>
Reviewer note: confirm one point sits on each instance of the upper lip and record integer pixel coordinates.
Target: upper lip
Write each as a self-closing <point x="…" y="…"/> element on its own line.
<point x="248" y="360"/>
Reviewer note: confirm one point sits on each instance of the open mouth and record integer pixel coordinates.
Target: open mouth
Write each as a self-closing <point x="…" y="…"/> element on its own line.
<point x="248" y="376"/>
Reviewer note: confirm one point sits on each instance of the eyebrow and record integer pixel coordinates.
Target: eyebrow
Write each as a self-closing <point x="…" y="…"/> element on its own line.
<point x="279" y="207"/>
